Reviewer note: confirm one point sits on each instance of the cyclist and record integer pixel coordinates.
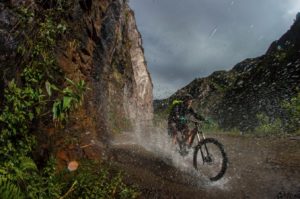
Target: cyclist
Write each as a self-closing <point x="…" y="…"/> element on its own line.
<point x="177" y="120"/>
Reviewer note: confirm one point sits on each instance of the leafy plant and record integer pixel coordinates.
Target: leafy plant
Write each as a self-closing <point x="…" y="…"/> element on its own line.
<point x="292" y="109"/>
<point x="15" y="119"/>
<point x="9" y="190"/>
<point x="280" y="56"/>
<point x="266" y="126"/>
<point x="71" y="97"/>
<point x="211" y="126"/>
<point x="25" y="102"/>
<point x="45" y="184"/>
<point x="93" y="181"/>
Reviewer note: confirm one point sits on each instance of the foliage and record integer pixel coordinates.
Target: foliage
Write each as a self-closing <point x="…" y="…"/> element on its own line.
<point x="9" y="190"/>
<point x="292" y="109"/>
<point x="71" y="97"/>
<point x="266" y="126"/>
<point x="92" y="180"/>
<point x="210" y="126"/>
<point x="26" y="181"/>
<point x="280" y="56"/>
<point x="15" y="120"/>
<point x="46" y="183"/>
<point x="95" y="180"/>
<point x="25" y="103"/>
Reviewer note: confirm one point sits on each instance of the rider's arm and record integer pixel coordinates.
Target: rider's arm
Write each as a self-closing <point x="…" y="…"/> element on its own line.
<point x="196" y="115"/>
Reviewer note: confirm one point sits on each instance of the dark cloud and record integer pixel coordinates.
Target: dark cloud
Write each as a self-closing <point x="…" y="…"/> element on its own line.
<point x="184" y="40"/>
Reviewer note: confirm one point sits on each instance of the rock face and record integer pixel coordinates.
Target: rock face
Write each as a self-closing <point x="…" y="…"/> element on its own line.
<point x="138" y="104"/>
<point x="119" y="75"/>
<point x="254" y="86"/>
<point x="105" y="49"/>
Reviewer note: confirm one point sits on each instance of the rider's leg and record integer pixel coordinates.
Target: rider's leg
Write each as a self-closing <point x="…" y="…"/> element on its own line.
<point x="173" y="130"/>
<point x="186" y="133"/>
<point x="192" y="134"/>
<point x="174" y="138"/>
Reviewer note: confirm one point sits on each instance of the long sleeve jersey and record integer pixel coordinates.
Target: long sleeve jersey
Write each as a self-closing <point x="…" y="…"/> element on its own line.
<point x="181" y="110"/>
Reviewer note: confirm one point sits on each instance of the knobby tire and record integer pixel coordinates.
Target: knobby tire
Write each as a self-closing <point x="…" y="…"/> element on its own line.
<point x="202" y="144"/>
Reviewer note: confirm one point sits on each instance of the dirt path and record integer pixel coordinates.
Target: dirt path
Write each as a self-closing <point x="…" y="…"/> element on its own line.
<point x="258" y="168"/>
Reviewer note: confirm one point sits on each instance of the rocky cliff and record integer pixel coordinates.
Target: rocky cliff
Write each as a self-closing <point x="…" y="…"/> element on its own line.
<point x="253" y="86"/>
<point x="104" y="48"/>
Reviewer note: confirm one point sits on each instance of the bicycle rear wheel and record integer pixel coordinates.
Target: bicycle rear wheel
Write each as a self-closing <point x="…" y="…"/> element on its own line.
<point x="210" y="159"/>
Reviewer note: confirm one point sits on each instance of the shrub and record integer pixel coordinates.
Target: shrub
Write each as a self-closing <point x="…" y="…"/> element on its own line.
<point x="95" y="180"/>
<point x="266" y="126"/>
<point x="292" y="109"/>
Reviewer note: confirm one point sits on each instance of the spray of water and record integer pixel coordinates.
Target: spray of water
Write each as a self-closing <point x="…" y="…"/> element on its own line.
<point x="158" y="142"/>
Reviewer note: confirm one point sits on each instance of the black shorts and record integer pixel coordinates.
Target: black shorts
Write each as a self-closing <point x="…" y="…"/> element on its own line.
<point x="173" y="127"/>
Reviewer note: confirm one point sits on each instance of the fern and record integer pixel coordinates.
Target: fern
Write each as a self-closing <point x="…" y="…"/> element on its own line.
<point x="9" y="190"/>
<point x="25" y="166"/>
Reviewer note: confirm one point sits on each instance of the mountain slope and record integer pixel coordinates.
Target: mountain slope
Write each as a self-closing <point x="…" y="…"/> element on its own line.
<point x="253" y="86"/>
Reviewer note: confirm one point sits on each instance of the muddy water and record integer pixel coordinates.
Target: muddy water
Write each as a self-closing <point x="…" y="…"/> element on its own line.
<point x="258" y="167"/>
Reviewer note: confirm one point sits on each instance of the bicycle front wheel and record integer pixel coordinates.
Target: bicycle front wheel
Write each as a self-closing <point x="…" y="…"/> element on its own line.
<point x="210" y="159"/>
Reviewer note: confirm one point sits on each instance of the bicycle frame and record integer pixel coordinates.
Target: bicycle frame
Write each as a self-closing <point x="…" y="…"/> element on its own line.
<point x="198" y="132"/>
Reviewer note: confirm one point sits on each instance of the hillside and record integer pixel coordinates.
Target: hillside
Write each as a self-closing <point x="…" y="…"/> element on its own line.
<point x="254" y="86"/>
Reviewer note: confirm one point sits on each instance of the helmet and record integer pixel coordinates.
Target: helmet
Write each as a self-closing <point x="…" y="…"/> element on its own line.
<point x="187" y="97"/>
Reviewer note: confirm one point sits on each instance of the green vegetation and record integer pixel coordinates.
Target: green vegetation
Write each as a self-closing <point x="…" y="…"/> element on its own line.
<point x="210" y="126"/>
<point x="9" y="190"/>
<point x="90" y="180"/>
<point x="71" y="96"/>
<point x="94" y="180"/>
<point x="288" y="125"/>
<point x="292" y="108"/>
<point x="40" y="91"/>
<point x="280" y="56"/>
<point x="268" y="127"/>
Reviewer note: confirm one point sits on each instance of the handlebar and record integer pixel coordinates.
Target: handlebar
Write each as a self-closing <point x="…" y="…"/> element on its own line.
<point x="195" y="121"/>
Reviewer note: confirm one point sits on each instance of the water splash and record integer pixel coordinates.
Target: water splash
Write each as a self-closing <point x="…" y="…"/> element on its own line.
<point x="157" y="141"/>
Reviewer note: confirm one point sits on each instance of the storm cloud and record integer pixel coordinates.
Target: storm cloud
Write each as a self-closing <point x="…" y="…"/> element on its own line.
<point x="188" y="39"/>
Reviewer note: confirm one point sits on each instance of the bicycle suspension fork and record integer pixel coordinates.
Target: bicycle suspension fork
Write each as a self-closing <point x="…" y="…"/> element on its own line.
<point x="205" y="158"/>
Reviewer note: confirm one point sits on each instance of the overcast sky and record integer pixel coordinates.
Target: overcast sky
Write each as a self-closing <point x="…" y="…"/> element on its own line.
<point x="187" y="39"/>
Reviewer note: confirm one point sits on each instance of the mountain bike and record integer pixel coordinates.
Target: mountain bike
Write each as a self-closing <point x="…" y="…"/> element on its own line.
<point x="209" y="156"/>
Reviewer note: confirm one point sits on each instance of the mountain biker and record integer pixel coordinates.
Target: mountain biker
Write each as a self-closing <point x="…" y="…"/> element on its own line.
<point x="177" y="120"/>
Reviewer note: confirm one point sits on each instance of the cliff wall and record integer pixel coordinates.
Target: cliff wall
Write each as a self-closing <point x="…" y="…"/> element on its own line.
<point x="103" y="47"/>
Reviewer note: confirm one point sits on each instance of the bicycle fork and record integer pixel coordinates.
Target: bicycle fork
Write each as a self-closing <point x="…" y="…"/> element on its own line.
<point x="207" y="157"/>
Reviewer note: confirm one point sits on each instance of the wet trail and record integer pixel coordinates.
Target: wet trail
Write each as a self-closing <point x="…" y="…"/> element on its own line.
<point x="258" y="167"/>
